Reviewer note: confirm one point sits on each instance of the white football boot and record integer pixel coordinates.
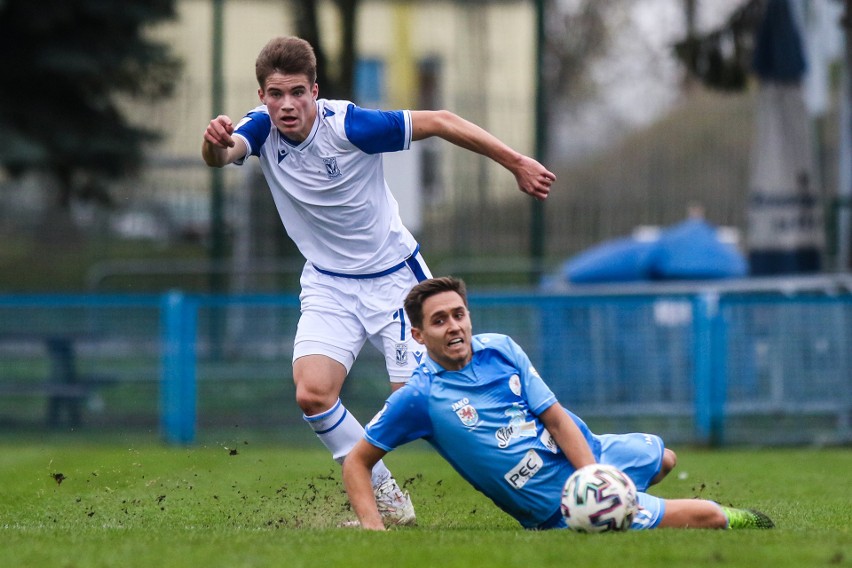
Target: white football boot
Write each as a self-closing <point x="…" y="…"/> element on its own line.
<point x="394" y="504"/>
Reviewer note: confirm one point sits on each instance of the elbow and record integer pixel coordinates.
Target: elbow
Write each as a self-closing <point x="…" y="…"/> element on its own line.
<point x="440" y="123"/>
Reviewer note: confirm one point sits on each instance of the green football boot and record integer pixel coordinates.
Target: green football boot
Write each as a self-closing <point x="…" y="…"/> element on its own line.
<point x="747" y="519"/>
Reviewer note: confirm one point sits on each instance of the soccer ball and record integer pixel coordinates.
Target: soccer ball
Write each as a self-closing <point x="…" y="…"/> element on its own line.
<point x="599" y="498"/>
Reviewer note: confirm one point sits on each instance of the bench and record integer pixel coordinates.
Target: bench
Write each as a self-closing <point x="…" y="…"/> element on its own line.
<point x="65" y="388"/>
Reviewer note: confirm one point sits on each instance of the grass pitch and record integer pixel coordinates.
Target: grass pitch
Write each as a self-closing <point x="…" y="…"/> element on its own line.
<point x="79" y="504"/>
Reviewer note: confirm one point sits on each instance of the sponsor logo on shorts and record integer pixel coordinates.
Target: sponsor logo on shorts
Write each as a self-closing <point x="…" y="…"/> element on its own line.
<point x="643" y="519"/>
<point x="402" y="354"/>
<point x="466" y="412"/>
<point x="524" y="470"/>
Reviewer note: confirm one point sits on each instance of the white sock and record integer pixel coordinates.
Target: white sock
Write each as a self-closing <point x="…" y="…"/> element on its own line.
<point x="339" y="431"/>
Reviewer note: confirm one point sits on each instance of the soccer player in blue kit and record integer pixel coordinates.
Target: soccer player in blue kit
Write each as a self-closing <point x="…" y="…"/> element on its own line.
<point x="322" y="160"/>
<point x="478" y="400"/>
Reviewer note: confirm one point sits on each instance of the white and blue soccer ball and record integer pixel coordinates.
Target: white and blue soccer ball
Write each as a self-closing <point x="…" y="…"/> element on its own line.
<point x="599" y="498"/>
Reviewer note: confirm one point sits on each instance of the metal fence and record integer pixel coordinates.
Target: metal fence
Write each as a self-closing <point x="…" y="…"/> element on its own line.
<point x="704" y="365"/>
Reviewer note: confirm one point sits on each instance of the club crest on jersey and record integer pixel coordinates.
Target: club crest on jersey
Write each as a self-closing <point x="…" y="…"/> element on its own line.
<point x="331" y="169"/>
<point x="515" y="384"/>
<point x="466" y="412"/>
<point x="401" y="354"/>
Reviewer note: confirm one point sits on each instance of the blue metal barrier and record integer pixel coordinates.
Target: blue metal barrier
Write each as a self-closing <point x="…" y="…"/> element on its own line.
<point x="178" y="383"/>
<point x="708" y="366"/>
<point x="710" y="370"/>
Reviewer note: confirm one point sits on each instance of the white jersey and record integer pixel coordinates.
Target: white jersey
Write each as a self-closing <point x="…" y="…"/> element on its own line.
<point x="330" y="189"/>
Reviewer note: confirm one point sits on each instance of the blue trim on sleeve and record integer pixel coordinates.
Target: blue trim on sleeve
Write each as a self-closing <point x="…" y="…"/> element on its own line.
<point x="254" y="128"/>
<point x="376" y="131"/>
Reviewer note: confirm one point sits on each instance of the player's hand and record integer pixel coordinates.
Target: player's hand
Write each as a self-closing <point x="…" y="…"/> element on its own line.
<point x="534" y="179"/>
<point x="219" y="132"/>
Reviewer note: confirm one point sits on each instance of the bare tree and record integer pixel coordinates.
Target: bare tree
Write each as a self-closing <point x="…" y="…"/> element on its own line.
<point x="335" y="81"/>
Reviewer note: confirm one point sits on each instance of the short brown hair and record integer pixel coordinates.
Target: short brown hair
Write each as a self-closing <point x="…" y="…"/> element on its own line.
<point x="424" y="290"/>
<point x="287" y="55"/>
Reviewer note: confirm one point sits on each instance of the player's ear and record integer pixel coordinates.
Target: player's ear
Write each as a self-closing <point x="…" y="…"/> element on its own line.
<point x="260" y="94"/>
<point x="416" y="335"/>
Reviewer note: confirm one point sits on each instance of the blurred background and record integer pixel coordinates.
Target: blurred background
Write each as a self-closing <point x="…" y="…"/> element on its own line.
<point x="140" y="289"/>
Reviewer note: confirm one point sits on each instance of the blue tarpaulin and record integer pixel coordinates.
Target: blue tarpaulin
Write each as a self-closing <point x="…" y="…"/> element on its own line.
<point x="690" y="250"/>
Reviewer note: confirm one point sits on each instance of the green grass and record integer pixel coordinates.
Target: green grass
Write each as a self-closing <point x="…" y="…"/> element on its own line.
<point x="146" y="505"/>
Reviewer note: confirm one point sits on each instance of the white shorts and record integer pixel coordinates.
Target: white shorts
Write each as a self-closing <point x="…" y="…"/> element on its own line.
<point x="340" y="313"/>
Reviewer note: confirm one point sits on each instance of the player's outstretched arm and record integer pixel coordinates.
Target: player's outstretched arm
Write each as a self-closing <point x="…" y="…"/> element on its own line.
<point x="567" y="435"/>
<point x="532" y="177"/>
<point x="219" y="147"/>
<point x="357" y="470"/>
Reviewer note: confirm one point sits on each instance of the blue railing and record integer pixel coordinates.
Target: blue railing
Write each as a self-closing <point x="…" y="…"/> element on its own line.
<point x="705" y="365"/>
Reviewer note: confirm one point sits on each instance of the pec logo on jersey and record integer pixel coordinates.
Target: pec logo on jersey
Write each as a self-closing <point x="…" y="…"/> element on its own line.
<point x="401" y="354"/>
<point x="331" y="169"/>
<point x="525" y="470"/>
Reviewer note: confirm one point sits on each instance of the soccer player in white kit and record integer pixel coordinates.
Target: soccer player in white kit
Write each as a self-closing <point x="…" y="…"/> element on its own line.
<point x="478" y="400"/>
<point x="322" y="160"/>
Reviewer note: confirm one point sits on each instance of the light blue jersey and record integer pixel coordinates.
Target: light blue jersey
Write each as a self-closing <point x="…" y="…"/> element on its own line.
<point x="484" y="421"/>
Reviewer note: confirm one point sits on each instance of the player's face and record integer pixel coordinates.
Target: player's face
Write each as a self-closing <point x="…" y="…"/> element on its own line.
<point x="446" y="331"/>
<point x="291" y="101"/>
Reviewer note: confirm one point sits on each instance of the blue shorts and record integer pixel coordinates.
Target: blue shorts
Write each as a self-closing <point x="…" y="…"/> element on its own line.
<point x="649" y="515"/>
<point x="640" y="456"/>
